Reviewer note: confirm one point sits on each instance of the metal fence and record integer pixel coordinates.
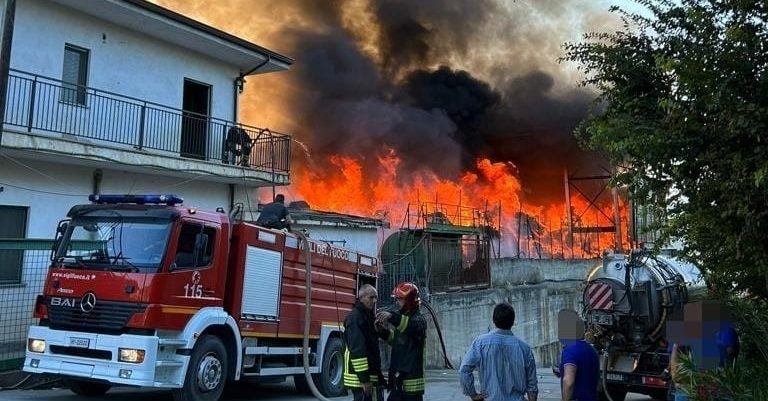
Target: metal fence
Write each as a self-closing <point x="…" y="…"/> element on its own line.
<point x="17" y="299"/>
<point x="531" y="238"/>
<point x="436" y="263"/>
<point x="457" y="264"/>
<point x="48" y="105"/>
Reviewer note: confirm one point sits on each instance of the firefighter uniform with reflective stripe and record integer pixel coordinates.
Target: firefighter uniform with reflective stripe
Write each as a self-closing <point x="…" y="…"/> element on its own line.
<point x="406" y="367"/>
<point x="362" y="362"/>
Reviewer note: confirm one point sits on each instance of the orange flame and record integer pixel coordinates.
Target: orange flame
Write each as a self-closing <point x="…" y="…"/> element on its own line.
<point x="493" y="193"/>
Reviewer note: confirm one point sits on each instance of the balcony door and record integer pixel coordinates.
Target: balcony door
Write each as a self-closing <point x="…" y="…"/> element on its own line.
<point x="194" y="125"/>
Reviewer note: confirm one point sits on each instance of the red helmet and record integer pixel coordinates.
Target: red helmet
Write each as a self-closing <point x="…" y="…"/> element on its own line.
<point x="409" y="293"/>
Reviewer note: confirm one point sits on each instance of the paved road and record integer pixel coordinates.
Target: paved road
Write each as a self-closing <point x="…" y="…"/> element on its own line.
<point x="441" y="386"/>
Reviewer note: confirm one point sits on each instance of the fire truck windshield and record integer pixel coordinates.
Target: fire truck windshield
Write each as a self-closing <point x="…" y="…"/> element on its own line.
<point x="120" y="243"/>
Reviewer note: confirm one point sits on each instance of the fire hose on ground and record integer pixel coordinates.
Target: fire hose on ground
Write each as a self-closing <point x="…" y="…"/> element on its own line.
<point x="604" y="364"/>
<point x="446" y="361"/>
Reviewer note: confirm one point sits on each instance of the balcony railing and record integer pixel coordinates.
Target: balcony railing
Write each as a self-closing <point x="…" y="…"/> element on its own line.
<point x="46" y="105"/>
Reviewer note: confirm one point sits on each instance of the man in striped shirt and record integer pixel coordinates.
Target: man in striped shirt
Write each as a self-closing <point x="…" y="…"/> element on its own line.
<point x="506" y="364"/>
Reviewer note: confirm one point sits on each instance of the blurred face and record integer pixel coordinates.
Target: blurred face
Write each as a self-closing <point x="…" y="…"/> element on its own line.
<point x="368" y="299"/>
<point x="400" y="302"/>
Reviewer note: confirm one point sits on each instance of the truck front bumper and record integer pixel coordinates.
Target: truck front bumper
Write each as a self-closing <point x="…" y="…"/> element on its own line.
<point x="95" y="356"/>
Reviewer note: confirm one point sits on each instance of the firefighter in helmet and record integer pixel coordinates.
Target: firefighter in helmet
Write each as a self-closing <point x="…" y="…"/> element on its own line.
<point x="406" y="335"/>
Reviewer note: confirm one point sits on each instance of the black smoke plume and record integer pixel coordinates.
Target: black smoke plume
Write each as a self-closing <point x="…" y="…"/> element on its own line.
<point x="419" y="94"/>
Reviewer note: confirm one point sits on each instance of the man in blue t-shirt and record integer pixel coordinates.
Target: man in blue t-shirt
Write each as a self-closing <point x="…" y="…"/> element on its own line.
<point x="579" y="363"/>
<point x="728" y="344"/>
<point x="707" y="335"/>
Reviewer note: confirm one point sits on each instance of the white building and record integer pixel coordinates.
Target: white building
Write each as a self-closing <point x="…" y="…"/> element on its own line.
<point x="124" y="96"/>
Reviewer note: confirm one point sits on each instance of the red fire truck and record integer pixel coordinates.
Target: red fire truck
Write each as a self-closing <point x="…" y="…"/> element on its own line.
<point x="143" y="291"/>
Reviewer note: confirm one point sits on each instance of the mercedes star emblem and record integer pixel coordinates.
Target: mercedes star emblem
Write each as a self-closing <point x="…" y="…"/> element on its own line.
<point x="88" y="302"/>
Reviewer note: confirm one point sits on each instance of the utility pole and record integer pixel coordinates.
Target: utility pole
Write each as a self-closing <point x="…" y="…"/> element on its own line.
<point x="9" y="15"/>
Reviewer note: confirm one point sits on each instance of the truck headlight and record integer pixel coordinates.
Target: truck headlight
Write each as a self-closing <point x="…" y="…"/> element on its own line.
<point x="35" y="345"/>
<point x="131" y="355"/>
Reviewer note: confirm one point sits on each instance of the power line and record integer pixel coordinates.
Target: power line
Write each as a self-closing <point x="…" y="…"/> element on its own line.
<point x="41" y="191"/>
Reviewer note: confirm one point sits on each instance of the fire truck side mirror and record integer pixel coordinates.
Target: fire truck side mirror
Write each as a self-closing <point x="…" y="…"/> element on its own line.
<point x="60" y="230"/>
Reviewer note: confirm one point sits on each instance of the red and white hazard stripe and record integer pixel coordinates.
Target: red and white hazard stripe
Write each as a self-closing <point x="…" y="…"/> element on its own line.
<point x="600" y="296"/>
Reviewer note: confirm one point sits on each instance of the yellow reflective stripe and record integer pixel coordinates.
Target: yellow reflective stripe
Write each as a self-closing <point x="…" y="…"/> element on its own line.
<point x="413" y="389"/>
<point x="360" y="364"/>
<point x="391" y="337"/>
<point x="413" y="385"/>
<point x="352" y="381"/>
<point x="346" y="359"/>
<point x="350" y="378"/>
<point x="403" y="323"/>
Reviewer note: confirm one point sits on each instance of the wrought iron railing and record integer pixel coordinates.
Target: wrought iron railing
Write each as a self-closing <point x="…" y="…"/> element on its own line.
<point x="46" y="105"/>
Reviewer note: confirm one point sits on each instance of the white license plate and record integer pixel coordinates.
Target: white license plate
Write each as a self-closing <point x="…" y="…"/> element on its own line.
<point x="79" y="342"/>
<point x="615" y="377"/>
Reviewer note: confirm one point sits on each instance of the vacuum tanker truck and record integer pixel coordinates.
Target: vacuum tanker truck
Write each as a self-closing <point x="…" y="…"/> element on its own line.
<point x="627" y="301"/>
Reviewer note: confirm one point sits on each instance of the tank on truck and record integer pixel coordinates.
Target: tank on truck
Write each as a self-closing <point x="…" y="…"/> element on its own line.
<point x="625" y="329"/>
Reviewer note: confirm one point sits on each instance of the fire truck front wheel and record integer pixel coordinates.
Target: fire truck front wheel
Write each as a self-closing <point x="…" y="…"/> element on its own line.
<point x="206" y="373"/>
<point x="86" y="388"/>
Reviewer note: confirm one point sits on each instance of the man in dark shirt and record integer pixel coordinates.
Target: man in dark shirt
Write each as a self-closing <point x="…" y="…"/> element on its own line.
<point x="274" y="215"/>
<point x="362" y="364"/>
<point x="579" y="364"/>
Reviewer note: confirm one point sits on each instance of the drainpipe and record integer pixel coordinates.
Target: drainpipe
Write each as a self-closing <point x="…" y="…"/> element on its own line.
<point x="5" y="57"/>
<point x="97" y="177"/>
<point x="240" y="85"/>
<point x="231" y="197"/>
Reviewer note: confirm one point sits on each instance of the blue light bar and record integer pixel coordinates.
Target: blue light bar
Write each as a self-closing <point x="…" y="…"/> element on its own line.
<point x="170" y="200"/>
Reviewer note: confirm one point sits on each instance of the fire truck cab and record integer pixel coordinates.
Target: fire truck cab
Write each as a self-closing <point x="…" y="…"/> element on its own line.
<point x="143" y="291"/>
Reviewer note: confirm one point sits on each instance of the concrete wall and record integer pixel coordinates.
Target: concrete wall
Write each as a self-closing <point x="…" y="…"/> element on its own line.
<point x="537" y="289"/>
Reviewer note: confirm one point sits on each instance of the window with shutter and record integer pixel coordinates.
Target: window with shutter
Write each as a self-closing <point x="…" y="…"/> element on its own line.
<point x="74" y="75"/>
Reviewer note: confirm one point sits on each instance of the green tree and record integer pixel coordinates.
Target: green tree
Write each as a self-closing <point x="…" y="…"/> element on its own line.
<point x="683" y="90"/>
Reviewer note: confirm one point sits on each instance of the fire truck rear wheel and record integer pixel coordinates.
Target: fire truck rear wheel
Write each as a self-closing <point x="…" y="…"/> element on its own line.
<point x="330" y="381"/>
<point x="659" y="395"/>
<point x="206" y="373"/>
<point x="86" y="388"/>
